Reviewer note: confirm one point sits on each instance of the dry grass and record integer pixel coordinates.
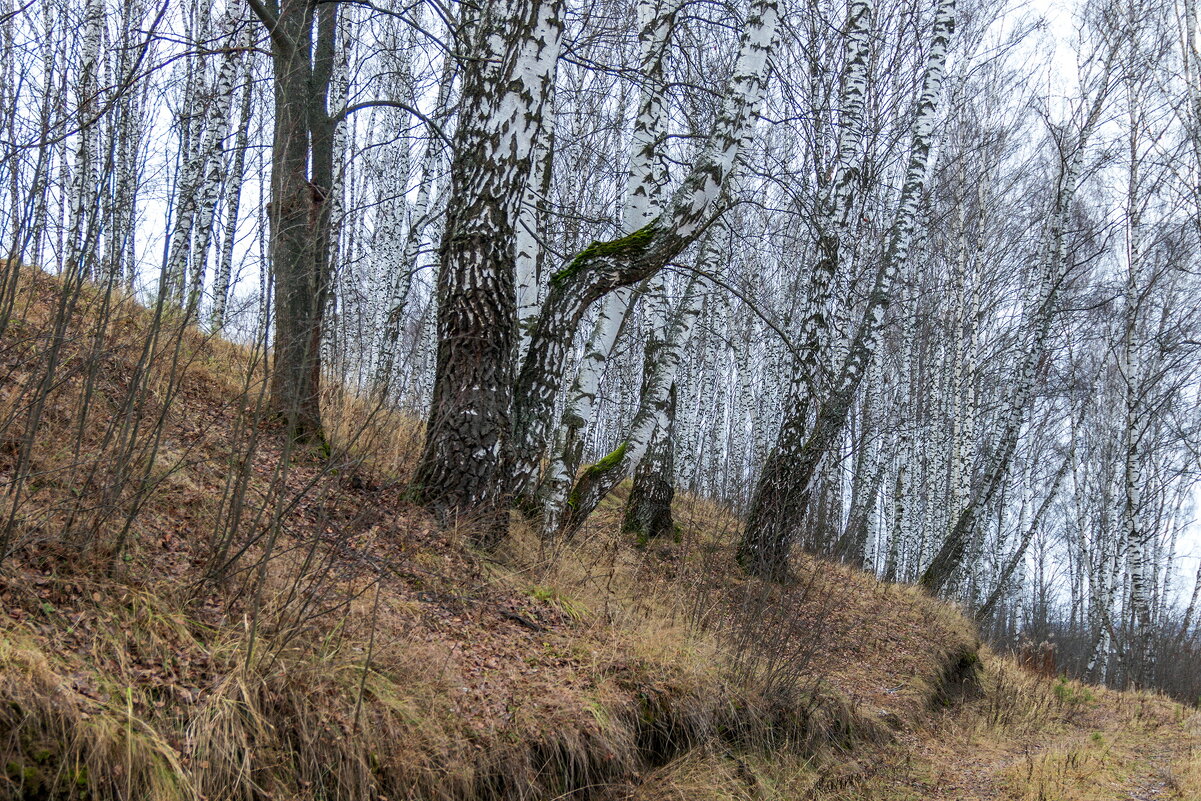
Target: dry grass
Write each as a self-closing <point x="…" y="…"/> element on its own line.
<point x="1025" y="737"/>
<point x="382" y="444"/>
<point x="348" y="648"/>
<point x="716" y="775"/>
<point x="1184" y="774"/>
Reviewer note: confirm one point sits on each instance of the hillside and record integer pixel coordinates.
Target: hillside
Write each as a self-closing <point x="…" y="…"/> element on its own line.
<point x="192" y="610"/>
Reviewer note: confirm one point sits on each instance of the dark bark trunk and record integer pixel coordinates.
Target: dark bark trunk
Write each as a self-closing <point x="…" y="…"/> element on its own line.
<point x="782" y="494"/>
<point x="648" y="509"/>
<point x="301" y="175"/>
<point x="464" y="464"/>
<point x="464" y="456"/>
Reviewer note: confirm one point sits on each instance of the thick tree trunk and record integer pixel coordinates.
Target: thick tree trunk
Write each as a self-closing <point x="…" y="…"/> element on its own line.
<point x="301" y="177"/>
<point x="464" y="463"/>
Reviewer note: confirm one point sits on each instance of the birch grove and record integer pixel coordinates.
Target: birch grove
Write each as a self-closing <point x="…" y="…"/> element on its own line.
<point x="909" y="286"/>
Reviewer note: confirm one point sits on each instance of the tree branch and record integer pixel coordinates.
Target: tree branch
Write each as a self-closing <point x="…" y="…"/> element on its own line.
<point x="271" y="22"/>
<point x="433" y="126"/>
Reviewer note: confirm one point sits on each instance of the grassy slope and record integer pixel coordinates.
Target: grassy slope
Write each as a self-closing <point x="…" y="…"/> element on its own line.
<point x="404" y="664"/>
<point x="1031" y="738"/>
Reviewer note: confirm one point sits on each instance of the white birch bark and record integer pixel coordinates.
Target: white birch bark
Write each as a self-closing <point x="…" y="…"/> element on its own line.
<point x="784" y="490"/>
<point x="233" y="202"/>
<point x="646" y="179"/>
<point x="599" y="479"/>
<point x="604" y="267"/>
<point x="191" y="123"/>
<point x="85" y="172"/>
<point x="212" y="153"/>
<point x="528" y="251"/>
<point x="400" y="268"/>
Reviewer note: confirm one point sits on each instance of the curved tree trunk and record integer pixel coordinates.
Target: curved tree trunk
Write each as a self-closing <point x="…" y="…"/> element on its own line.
<point x="599" y="479"/>
<point x="643" y="202"/>
<point x="605" y="266"/>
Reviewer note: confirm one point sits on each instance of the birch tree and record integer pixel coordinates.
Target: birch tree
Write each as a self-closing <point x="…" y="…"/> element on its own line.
<point x="643" y="201"/>
<point x="605" y="266"/>
<point x="784" y="487"/>
<point x="505" y="84"/>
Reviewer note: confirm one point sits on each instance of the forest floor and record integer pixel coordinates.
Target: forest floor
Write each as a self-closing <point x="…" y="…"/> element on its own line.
<point x="330" y="641"/>
<point x="1093" y="745"/>
<point x="1009" y="735"/>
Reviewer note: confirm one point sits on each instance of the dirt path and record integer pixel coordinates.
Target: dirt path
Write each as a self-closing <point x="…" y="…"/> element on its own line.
<point x="945" y="763"/>
<point x="1048" y="741"/>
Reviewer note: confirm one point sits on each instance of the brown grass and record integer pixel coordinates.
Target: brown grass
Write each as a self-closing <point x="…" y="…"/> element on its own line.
<point x="345" y="647"/>
<point x="1024" y="737"/>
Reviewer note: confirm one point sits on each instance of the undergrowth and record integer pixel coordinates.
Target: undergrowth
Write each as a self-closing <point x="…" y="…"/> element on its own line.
<point x="194" y="608"/>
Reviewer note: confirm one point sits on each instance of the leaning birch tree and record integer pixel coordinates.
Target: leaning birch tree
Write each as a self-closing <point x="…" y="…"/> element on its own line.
<point x="783" y="491"/>
<point x="605" y="266"/>
<point x="647" y="177"/>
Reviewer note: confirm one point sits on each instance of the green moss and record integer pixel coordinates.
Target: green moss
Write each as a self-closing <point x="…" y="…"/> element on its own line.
<point x="606" y="463"/>
<point x="324" y="449"/>
<point x="610" y="460"/>
<point x="1068" y="695"/>
<point x="26" y="775"/>
<point x="628" y="244"/>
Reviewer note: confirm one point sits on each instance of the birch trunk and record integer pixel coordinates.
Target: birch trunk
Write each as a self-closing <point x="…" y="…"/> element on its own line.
<point x="599" y="479"/>
<point x="605" y="266"/>
<point x="233" y="203"/>
<point x="401" y="284"/>
<point x="85" y="173"/>
<point x="643" y="202"/>
<point x="783" y="492"/>
<point x="1019" y="551"/>
<point x="464" y="462"/>
<point x="212" y="153"/>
